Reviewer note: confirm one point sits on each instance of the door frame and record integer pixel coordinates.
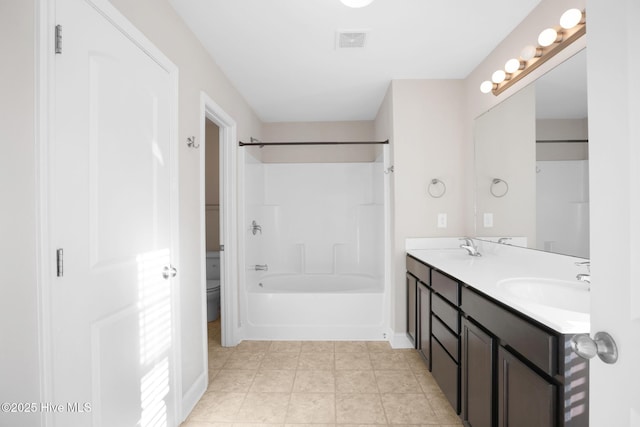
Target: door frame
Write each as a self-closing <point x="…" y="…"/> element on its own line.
<point x="209" y="109"/>
<point x="44" y="124"/>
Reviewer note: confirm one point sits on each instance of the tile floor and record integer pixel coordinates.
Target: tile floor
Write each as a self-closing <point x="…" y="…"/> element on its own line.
<point x="288" y="383"/>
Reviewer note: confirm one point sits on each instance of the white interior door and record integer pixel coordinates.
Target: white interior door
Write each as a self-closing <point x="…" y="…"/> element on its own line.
<point x="113" y="312"/>
<point x="614" y="151"/>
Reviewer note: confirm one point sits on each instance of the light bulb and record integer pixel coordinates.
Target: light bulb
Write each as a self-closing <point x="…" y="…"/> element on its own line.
<point x="530" y="52"/>
<point x="498" y="77"/>
<point x="486" y="86"/>
<point x="513" y="65"/>
<point x="548" y="37"/>
<point x="570" y="18"/>
<point x="356" y="3"/>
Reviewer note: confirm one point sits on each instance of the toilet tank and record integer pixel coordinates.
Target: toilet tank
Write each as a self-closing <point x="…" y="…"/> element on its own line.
<point x="213" y="265"/>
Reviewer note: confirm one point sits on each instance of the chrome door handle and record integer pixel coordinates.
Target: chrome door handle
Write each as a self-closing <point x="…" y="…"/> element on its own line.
<point x="601" y="345"/>
<point x="169" y="271"/>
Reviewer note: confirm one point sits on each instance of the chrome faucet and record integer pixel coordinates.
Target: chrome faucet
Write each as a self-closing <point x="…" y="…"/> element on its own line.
<point x="584" y="277"/>
<point x="261" y="267"/>
<point x="503" y="240"/>
<point x="470" y="246"/>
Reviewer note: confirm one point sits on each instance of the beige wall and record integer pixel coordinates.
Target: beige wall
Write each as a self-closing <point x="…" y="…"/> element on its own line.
<point x="19" y="370"/>
<point x="198" y="72"/>
<point x="318" y="132"/>
<point x="427" y="135"/>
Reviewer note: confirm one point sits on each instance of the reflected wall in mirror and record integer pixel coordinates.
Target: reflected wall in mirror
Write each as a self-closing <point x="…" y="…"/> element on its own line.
<point x="536" y="141"/>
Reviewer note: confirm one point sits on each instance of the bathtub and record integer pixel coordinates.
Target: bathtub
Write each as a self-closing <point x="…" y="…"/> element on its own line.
<point x="316" y="307"/>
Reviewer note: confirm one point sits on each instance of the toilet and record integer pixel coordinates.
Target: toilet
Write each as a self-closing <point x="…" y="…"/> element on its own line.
<point x="213" y="286"/>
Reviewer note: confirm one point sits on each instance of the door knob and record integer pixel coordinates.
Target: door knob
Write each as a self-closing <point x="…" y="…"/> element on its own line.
<point x="169" y="271"/>
<point x="602" y="345"/>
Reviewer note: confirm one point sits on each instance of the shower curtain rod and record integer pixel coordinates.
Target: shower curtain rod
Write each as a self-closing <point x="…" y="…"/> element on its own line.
<point x="543" y="141"/>
<point x="263" y="144"/>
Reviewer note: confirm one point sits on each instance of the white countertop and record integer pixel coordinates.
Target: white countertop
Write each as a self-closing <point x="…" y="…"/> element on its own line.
<point x="503" y="262"/>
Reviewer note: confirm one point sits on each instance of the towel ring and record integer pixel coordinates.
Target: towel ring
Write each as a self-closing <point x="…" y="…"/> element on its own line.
<point x="431" y="190"/>
<point x="494" y="183"/>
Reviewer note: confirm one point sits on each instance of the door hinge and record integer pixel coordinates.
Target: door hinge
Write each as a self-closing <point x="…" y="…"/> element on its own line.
<point x="59" y="262"/>
<point x="58" y="39"/>
<point x="221" y="248"/>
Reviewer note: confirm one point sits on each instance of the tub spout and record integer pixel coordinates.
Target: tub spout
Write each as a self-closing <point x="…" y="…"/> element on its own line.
<point x="261" y="267"/>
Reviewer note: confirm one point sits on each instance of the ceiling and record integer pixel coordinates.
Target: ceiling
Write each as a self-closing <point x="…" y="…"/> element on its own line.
<point x="281" y="54"/>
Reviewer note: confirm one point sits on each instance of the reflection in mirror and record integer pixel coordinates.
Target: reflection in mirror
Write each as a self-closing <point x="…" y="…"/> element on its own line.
<point x="537" y="142"/>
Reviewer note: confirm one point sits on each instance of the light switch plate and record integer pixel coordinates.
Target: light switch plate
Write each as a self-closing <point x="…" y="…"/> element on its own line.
<point x="488" y="220"/>
<point x="442" y="220"/>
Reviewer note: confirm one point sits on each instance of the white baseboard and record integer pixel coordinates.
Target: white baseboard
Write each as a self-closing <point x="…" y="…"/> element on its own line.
<point x="193" y="395"/>
<point x="400" y="340"/>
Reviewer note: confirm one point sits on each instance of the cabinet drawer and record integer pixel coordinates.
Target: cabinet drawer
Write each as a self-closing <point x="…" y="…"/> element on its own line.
<point x="419" y="270"/>
<point x="446" y="372"/>
<point x="448" y="314"/>
<point x="531" y="341"/>
<point x="445" y="286"/>
<point x="448" y="339"/>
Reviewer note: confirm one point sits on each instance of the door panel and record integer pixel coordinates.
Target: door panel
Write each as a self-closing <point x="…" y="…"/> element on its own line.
<point x="525" y="399"/>
<point x="112" y="312"/>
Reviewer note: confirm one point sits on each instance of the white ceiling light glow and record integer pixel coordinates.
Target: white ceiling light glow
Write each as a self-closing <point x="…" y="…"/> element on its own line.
<point x="356" y="3"/>
<point x="550" y="42"/>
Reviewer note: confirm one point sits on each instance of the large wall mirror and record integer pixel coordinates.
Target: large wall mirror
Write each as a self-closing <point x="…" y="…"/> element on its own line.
<point x="531" y="154"/>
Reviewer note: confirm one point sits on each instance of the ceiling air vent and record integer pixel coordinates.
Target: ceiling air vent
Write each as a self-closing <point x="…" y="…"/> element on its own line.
<point x="349" y="39"/>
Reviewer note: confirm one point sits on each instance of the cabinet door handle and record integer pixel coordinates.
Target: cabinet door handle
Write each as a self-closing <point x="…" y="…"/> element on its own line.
<point x="602" y="344"/>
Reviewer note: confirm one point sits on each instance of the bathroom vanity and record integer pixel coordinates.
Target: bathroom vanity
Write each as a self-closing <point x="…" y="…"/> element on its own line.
<point x="501" y="356"/>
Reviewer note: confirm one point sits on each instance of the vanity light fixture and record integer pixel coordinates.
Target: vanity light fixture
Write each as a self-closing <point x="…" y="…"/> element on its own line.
<point x="549" y="37"/>
<point x="551" y="41"/>
<point x="530" y="52"/>
<point x="571" y="18"/>
<point x="487" y="86"/>
<point x="513" y="65"/>
<point x="356" y="3"/>
<point x="499" y="76"/>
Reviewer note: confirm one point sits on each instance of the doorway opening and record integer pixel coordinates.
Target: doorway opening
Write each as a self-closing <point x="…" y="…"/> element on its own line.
<point x="213" y="116"/>
<point x="212" y="226"/>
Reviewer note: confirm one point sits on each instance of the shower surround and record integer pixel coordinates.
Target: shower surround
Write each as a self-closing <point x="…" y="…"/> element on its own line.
<point x="321" y="238"/>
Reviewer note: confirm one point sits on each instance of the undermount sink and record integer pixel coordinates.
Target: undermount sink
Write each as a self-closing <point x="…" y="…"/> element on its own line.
<point x="562" y="294"/>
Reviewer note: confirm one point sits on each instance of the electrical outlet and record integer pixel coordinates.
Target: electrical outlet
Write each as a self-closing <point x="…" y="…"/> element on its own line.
<point x="442" y="220"/>
<point x="488" y="220"/>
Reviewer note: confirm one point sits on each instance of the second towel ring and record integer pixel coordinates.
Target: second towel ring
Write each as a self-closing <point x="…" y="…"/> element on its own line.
<point x="494" y="183"/>
<point x="432" y="188"/>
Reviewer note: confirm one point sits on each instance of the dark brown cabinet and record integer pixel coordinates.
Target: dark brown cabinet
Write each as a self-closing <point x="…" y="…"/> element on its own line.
<point x="424" y="322"/>
<point x="412" y="295"/>
<point x="478" y="349"/>
<point x="525" y="399"/>
<point x="496" y="366"/>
